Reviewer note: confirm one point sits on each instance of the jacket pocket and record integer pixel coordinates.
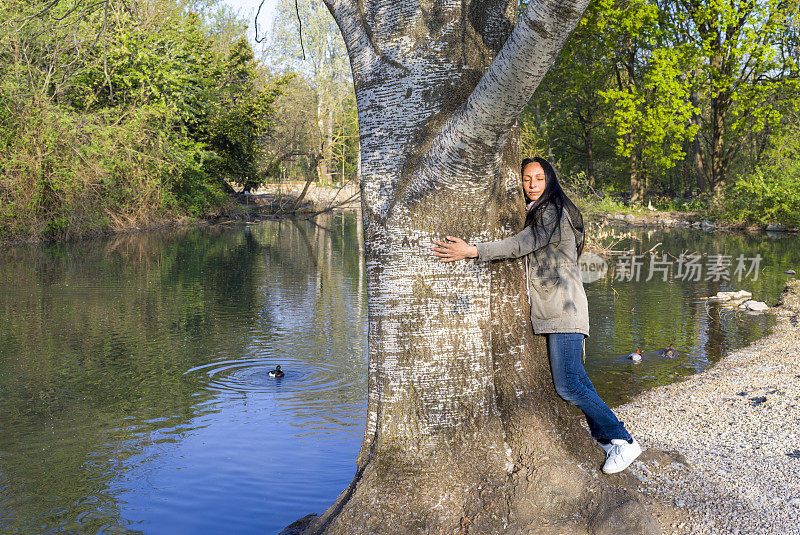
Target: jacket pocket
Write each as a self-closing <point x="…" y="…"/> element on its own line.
<point x="547" y="297"/>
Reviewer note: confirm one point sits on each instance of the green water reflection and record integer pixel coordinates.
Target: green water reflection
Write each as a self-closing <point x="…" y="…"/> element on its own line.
<point x="651" y="315"/>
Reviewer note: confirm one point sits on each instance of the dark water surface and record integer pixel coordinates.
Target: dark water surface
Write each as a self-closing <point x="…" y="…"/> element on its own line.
<point x="134" y="387"/>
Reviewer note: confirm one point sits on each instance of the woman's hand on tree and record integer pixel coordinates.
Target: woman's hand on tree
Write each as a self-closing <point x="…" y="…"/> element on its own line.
<point x="458" y="249"/>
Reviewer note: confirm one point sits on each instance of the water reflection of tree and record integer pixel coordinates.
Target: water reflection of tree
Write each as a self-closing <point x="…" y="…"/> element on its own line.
<point x="96" y="336"/>
<point x="654" y="314"/>
<point x="313" y="289"/>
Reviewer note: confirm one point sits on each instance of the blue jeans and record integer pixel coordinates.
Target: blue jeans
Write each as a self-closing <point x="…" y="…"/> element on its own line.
<point x="574" y="386"/>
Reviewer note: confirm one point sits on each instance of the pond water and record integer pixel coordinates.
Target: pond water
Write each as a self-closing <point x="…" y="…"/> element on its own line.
<point x="134" y="387"/>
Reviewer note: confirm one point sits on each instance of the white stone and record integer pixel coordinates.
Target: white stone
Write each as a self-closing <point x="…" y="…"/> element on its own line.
<point x="730" y="298"/>
<point x="755" y="305"/>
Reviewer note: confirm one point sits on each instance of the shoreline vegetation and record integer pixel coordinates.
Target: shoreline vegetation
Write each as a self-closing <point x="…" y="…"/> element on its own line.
<point x="122" y="115"/>
<point x="273" y="201"/>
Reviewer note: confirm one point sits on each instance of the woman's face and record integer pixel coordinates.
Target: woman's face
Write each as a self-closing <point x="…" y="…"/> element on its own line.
<point x="533" y="180"/>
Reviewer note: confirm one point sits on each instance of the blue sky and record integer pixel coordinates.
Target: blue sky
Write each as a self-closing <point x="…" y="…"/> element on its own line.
<point x="247" y="8"/>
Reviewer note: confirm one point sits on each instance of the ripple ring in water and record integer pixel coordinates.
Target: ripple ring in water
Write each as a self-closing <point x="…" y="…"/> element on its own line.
<point x="252" y="376"/>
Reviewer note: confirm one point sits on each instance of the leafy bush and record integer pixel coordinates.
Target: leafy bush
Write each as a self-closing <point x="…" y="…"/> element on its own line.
<point x="136" y="116"/>
<point x="700" y="203"/>
<point x="65" y="174"/>
<point x="771" y="193"/>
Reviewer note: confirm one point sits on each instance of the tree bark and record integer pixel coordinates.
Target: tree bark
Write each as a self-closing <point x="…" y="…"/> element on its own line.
<point x="699" y="170"/>
<point x="464" y="431"/>
<point x="720" y="104"/>
<point x="638" y="179"/>
<point x="587" y="138"/>
<point x="328" y="154"/>
<point x="719" y="108"/>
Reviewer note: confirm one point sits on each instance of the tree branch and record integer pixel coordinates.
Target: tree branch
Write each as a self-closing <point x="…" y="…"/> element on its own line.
<point x="511" y="79"/>
<point x="44" y="10"/>
<point x="299" y="26"/>
<point x="67" y="74"/>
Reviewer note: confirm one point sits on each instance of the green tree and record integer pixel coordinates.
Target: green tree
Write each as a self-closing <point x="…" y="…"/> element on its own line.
<point x="568" y="110"/>
<point x="617" y="91"/>
<point x="742" y="68"/>
<point x="769" y="193"/>
<point x="120" y="113"/>
<point x="650" y="96"/>
<point x="688" y="88"/>
<point x="243" y="119"/>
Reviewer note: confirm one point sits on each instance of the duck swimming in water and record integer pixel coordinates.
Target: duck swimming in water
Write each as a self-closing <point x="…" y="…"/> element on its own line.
<point x="636" y="357"/>
<point x="276" y="372"/>
<point x="669" y="352"/>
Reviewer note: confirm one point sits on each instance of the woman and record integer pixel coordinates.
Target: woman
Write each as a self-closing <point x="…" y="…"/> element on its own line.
<point x="551" y="243"/>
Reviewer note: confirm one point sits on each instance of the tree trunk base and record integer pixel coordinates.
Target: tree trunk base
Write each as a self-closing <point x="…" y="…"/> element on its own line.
<point x="555" y="495"/>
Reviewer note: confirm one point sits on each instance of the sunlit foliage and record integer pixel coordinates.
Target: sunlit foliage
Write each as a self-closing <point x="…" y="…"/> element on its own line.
<point x="123" y="113"/>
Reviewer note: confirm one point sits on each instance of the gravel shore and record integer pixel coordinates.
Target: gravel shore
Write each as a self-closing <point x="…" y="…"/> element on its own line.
<point x="737" y="425"/>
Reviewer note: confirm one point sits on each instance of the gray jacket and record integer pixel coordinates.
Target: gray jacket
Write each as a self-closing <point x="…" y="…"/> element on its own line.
<point x="555" y="290"/>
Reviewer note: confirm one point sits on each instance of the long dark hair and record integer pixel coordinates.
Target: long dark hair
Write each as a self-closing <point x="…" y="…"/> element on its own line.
<point x="553" y="194"/>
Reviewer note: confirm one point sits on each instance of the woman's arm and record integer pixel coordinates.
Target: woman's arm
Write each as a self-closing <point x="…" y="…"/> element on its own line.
<point x="522" y="243"/>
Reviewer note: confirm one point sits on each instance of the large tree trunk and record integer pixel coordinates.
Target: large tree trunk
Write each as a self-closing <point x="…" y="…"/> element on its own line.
<point x="718" y="164"/>
<point x="699" y="170"/>
<point x="464" y="431"/>
<point x="587" y="138"/>
<point x="324" y="159"/>
<point x="329" y="142"/>
<point x="638" y="178"/>
<point x="720" y="103"/>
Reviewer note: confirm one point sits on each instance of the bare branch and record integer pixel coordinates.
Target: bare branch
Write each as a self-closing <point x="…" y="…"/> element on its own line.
<point x="300" y="28"/>
<point x="299" y="22"/>
<point x="100" y="33"/>
<point x="105" y="55"/>
<point x="89" y="9"/>
<point x="67" y="14"/>
<point x="47" y="8"/>
<point x="255" y="24"/>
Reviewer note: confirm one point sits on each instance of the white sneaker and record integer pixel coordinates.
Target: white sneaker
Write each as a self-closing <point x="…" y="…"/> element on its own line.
<point x="620" y="455"/>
